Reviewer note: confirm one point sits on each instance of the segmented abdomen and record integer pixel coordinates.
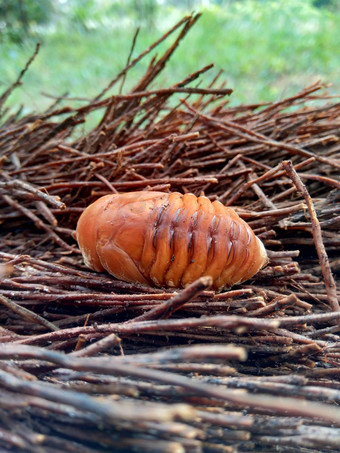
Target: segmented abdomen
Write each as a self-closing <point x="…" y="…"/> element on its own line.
<point x="168" y="240"/>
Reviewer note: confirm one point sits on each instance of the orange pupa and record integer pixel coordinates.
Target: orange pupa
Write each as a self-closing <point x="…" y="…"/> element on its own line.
<point x="168" y="240"/>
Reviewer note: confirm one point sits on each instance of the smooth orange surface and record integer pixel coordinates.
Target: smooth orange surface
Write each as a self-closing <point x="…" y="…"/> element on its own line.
<point x="168" y="240"/>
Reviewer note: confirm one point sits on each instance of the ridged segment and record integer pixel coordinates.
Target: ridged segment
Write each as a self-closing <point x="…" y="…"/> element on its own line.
<point x="180" y="226"/>
<point x="162" y="243"/>
<point x="220" y="244"/>
<point x="235" y="264"/>
<point x="200" y="242"/>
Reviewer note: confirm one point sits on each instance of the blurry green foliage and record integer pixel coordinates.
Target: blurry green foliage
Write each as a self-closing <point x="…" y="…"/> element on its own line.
<point x="326" y="3"/>
<point x="18" y="17"/>
<point x="267" y="48"/>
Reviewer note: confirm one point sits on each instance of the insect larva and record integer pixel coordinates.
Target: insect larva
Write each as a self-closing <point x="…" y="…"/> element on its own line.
<point x="168" y="239"/>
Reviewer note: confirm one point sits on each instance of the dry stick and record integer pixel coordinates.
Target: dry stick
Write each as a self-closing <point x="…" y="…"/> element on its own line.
<point x="160" y="325"/>
<point x="275" y="305"/>
<point x="185" y="354"/>
<point x="38" y="223"/>
<point x="292" y="100"/>
<point x="317" y="236"/>
<point x="275" y="171"/>
<point x="14" y="440"/>
<point x="258" y="191"/>
<point x="99" y="346"/>
<point x="252" y="136"/>
<point x="323" y="179"/>
<point x="157" y="93"/>
<point x="111" y="412"/>
<point x="45" y="211"/>
<point x="85" y="277"/>
<point x="131" y="184"/>
<point x="106" y="182"/>
<point x="281" y="212"/>
<point x="156" y="66"/>
<point x="284" y="406"/>
<point x="172" y="90"/>
<point x="167" y="308"/>
<point x="153" y="70"/>
<point x="129" y="58"/>
<point x="250" y="182"/>
<point x="135" y="60"/>
<point x="191" y="77"/>
<point x="52" y="200"/>
<point x="28" y="314"/>
<point x="5" y="95"/>
<point x="164" y="142"/>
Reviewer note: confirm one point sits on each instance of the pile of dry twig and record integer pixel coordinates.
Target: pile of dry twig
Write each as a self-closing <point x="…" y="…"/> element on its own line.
<point x="89" y="363"/>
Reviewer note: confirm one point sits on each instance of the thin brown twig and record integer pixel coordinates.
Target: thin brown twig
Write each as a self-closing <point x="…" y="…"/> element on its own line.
<point x="99" y="346"/>
<point x="166" y="309"/>
<point x="279" y="405"/>
<point x="317" y="236"/>
<point x="5" y="95"/>
<point x="28" y="314"/>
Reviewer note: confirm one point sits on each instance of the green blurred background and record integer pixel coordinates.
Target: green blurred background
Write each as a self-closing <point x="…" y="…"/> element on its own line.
<point x="267" y="49"/>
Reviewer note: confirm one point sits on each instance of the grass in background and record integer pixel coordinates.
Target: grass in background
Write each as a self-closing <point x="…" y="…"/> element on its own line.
<point x="267" y="49"/>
